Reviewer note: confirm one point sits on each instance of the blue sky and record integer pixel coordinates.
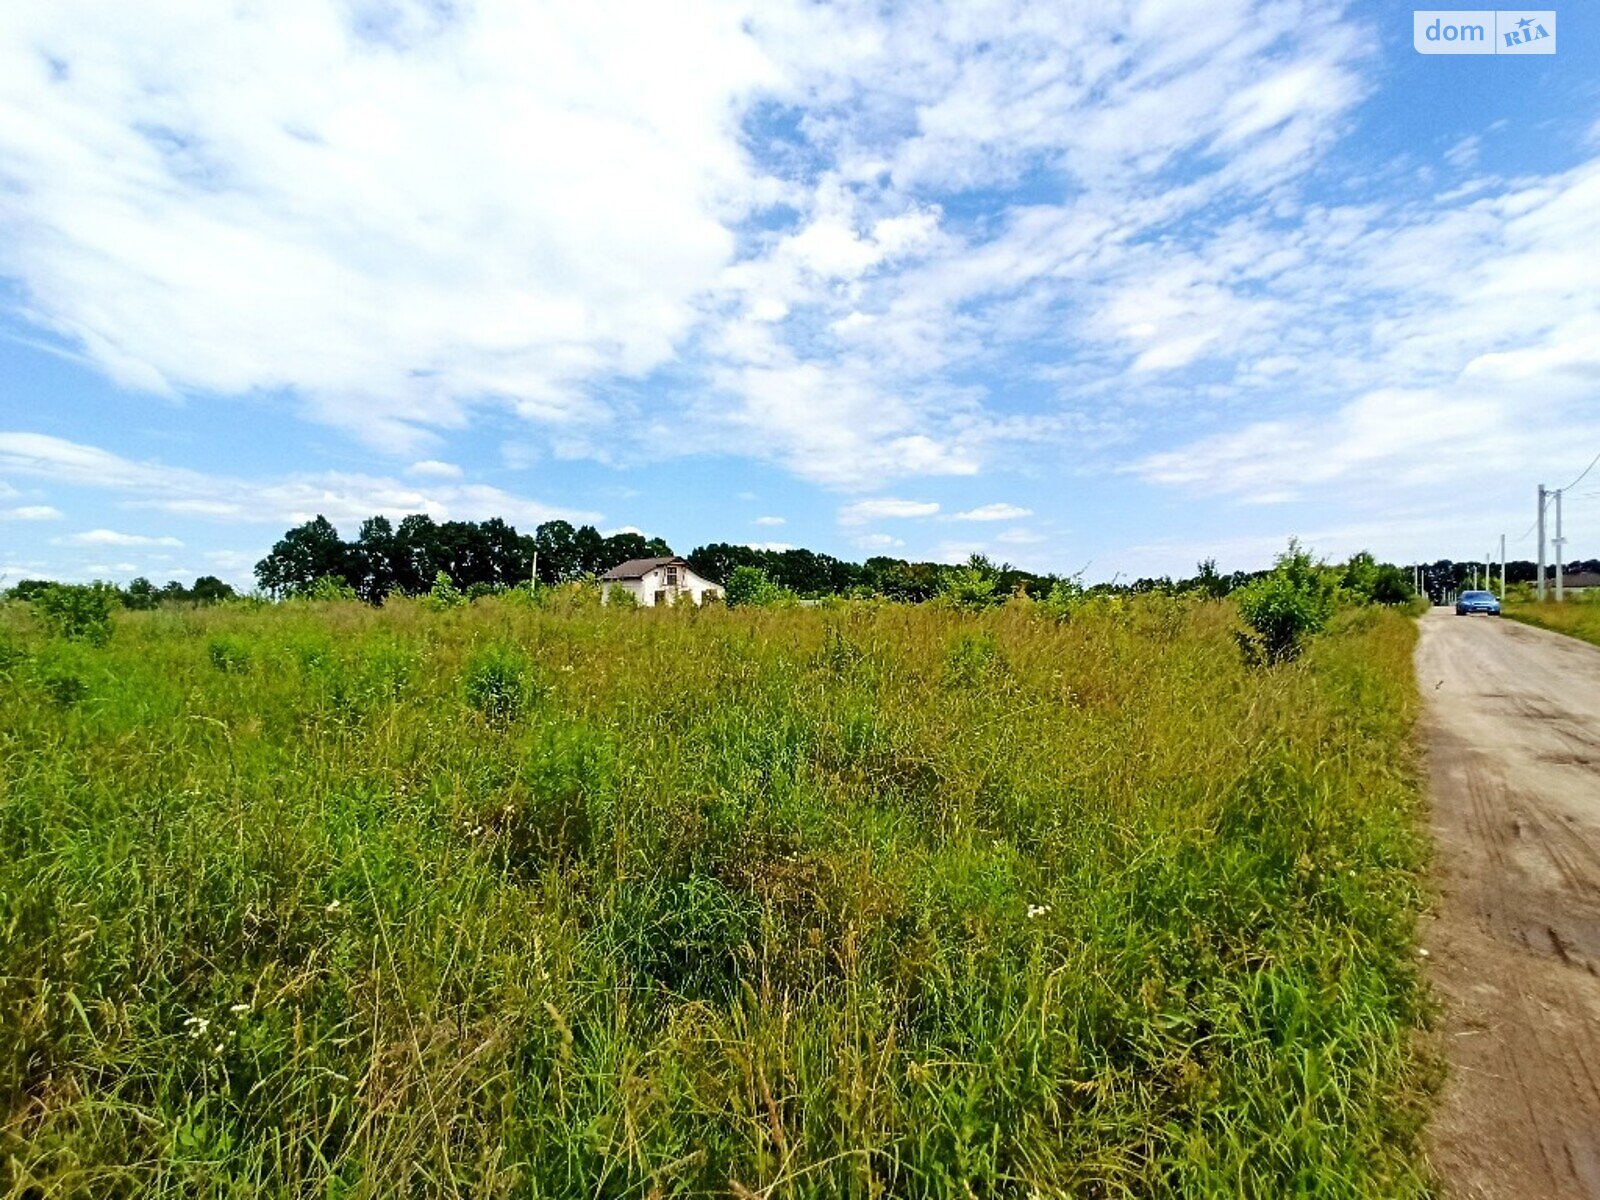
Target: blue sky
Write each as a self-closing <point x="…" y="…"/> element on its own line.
<point x="1114" y="286"/>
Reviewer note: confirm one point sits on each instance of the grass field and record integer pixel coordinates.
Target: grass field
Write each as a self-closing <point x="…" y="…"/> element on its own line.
<point x="322" y="900"/>
<point x="1578" y="616"/>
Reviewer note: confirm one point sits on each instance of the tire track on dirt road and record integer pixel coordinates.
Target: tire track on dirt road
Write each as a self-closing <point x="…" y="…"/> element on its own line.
<point x="1513" y="736"/>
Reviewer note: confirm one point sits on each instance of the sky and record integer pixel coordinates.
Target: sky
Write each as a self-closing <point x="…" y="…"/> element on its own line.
<point x="1109" y="287"/>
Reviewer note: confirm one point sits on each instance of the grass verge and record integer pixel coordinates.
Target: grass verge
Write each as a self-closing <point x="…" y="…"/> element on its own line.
<point x="1578" y="617"/>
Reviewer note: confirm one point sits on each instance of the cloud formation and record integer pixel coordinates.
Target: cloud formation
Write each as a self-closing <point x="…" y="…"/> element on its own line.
<point x="344" y="499"/>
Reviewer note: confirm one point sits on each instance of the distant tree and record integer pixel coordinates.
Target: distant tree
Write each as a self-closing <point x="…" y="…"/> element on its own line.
<point x="304" y="555"/>
<point x="376" y="560"/>
<point x="558" y="552"/>
<point x="140" y="594"/>
<point x="590" y="550"/>
<point x="28" y="589"/>
<point x="208" y="589"/>
<point x="416" y="557"/>
<point x="1208" y="582"/>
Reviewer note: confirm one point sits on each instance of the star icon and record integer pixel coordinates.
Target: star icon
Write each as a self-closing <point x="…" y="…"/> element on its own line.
<point x="1524" y="23"/>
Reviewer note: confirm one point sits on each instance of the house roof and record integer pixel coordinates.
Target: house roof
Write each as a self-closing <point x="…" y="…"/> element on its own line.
<point x="1581" y="579"/>
<point x="638" y="568"/>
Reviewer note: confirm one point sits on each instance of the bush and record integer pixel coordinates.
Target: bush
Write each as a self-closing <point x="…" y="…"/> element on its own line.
<point x="970" y="586"/>
<point x="443" y="594"/>
<point x="617" y="596"/>
<point x="1064" y="598"/>
<point x="81" y="612"/>
<point x="329" y="587"/>
<point x="1286" y="606"/>
<point x="751" y="587"/>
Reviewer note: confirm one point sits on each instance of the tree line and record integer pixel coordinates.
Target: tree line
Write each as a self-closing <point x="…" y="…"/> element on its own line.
<point x="406" y="558"/>
<point x="385" y="558"/>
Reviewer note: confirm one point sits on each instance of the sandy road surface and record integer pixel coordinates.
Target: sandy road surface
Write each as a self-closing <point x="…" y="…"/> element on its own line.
<point x="1513" y="727"/>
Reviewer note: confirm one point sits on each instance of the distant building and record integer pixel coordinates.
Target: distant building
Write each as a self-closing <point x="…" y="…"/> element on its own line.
<point x="658" y="581"/>
<point x="1581" y="579"/>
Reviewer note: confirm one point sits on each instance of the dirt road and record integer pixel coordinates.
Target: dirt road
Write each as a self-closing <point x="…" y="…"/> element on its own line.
<point x="1513" y="730"/>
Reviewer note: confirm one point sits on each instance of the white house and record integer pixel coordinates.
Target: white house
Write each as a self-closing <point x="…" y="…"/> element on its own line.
<point x="658" y="581"/>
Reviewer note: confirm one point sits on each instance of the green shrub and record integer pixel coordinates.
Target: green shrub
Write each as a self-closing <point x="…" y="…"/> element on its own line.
<point x="80" y="612"/>
<point x="751" y="587"/>
<point x="1066" y="596"/>
<point x="617" y="596"/>
<point x="972" y="585"/>
<point x="443" y="594"/>
<point x="328" y="588"/>
<point x="1286" y="606"/>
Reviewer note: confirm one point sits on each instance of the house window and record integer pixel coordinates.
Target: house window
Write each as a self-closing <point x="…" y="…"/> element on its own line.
<point x="672" y="576"/>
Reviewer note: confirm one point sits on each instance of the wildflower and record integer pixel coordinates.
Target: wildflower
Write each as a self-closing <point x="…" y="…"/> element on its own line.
<point x="333" y="907"/>
<point x="236" y="1009"/>
<point x="197" y="1026"/>
<point x="1037" y="910"/>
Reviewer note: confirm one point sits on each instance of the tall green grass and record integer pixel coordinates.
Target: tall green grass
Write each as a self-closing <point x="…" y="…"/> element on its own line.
<point x="321" y="900"/>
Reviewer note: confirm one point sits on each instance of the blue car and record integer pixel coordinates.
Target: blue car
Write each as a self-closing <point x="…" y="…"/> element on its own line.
<point x="1477" y="602"/>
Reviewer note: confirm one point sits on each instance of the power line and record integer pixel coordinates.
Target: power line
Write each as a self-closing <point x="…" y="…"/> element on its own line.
<point x="1586" y="470"/>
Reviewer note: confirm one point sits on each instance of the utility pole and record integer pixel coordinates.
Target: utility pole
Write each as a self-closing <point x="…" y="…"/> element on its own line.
<point x="1502" y="566"/>
<point x="1560" y="557"/>
<point x="1541" y="543"/>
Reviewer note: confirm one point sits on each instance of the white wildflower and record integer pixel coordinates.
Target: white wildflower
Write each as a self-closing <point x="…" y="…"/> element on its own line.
<point x="1038" y="910"/>
<point x="333" y="907"/>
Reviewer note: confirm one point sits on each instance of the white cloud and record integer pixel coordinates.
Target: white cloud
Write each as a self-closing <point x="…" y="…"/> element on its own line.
<point x="403" y="217"/>
<point x="397" y="211"/>
<point x="775" y="547"/>
<point x="876" y="542"/>
<point x="432" y="468"/>
<point x="1020" y="537"/>
<point x="31" y="512"/>
<point x="864" y="511"/>
<point x="770" y="521"/>
<point x="344" y="499"/>
<point x="110" y="537"/>
<point x="993" y="512"/>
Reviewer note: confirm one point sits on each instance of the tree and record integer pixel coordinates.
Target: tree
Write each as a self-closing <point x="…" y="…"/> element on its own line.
<point x="417" y="555"/>
<point x="376" y="560"/>
<point x="558" y="553"/>
<point x="141" y="594"/>
<point x="304" y="555"/>
<point x="208" y="589"/>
